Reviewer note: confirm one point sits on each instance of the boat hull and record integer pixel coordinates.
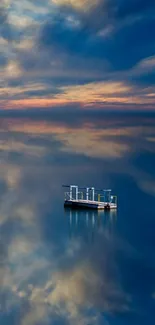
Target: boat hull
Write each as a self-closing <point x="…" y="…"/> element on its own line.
<point x="87" y="204"/>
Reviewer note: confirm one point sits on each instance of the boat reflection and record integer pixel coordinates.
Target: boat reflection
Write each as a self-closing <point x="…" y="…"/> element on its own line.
<point x="90" y="223"/>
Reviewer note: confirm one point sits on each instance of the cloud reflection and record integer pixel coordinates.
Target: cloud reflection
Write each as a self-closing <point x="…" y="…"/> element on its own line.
<point x="56" y="276"/>
<point x="56" y="286"/>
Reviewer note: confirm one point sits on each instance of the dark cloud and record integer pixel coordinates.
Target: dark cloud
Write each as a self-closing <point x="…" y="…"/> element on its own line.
<point x="3" y="60"/>
<point x="109" y="11"/>
<point x="75" y="46"/>
<point x="129" y="41"/>
<point x="3" y="14"/>
<point x="133" y="7"/>
<point x="5" y="28"/>
<point x="5" y="31"/>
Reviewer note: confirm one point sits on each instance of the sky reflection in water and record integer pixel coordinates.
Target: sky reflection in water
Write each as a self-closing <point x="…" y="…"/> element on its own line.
<point x="67" y="267"/>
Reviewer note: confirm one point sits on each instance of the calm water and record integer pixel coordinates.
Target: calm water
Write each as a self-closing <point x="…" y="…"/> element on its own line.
<point x="69" y="267"/>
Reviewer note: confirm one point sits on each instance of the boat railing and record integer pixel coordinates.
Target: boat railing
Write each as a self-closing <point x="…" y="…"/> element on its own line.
<point x="97" y="197"/>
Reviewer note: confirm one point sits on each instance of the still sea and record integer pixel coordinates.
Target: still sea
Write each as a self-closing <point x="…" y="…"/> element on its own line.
<point x="60" y="266"/>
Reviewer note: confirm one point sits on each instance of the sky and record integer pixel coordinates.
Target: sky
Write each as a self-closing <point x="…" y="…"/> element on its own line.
<point x="77" y="54"/>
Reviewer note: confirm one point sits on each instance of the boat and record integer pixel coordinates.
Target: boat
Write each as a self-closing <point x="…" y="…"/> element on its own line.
<point x="89" y="198"/>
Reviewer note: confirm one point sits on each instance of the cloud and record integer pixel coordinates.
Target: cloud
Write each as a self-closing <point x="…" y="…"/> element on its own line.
<point x="100" y="94"/>
<point x="87" y="40"/>
<point x="4" y="6"/>
<point x="74" y="288"/>
<point x="92" y="144"/>
<point x="11" y="70"/>
<point x="73" y="47"/>
<point x="19" y="146"/>
<point x="25" y="44"/>
<point x="22" y="90"/>
<point x="88" y="141"/>
<point x="107" y="10"/>
<point x="5" y="28"/>
<point x="68" y="292"/>
<point x="79" y="5"/>
<point x="23" y="22"/>
<point x="37" y="314"/>
<point x="3" y="42"/>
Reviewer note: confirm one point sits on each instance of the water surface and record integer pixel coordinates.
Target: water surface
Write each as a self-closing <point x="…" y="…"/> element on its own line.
<point x="77" y="267"/>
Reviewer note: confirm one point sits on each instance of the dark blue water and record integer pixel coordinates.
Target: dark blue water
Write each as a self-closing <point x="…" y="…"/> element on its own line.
<point x="60" y="266"/>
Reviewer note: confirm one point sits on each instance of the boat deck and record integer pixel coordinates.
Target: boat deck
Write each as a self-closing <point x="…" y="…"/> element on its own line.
<point x="89" y="204"/>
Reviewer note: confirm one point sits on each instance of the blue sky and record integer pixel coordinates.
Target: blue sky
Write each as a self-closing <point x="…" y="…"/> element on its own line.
<point x="60" y="53"/>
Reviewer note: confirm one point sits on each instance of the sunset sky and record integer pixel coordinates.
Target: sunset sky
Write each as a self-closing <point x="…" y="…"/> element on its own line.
<point x="73" y="53"/>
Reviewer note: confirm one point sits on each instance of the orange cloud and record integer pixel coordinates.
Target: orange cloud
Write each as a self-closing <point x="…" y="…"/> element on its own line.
<point x="87" y="139"/>
<point x="99" y="94"/>
<point x="32" y="103"/>
<point x="81" y="5"/>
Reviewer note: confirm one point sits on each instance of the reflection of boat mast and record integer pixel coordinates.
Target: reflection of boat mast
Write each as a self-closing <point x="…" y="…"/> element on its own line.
<point x="86" y="224"/>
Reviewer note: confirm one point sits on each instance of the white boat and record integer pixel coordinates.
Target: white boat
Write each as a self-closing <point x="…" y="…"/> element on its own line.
<point x="86" y="198"/>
